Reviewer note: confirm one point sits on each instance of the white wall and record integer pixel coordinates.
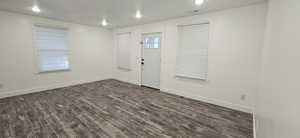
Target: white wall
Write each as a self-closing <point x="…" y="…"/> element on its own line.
<point x="91" y="55"/>
<point x="277" y="102"/>
<point x="234" y="55"/>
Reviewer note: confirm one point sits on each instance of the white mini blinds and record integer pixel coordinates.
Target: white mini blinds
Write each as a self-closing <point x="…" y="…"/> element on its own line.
<point x="192" y="55"/>
<point x="123" y="50"/>
<point x="53" y="52"/>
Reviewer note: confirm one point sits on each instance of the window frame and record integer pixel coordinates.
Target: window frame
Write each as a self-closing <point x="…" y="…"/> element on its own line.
<point x="210" y="24"/>
<point x="37" y="50"/>
<point x="120" y="66"/>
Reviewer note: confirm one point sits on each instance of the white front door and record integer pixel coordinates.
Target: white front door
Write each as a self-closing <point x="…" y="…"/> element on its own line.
<point x="151" y="60"/>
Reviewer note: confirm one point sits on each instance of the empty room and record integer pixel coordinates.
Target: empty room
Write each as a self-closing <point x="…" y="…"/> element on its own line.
<point x="149" y="68"/>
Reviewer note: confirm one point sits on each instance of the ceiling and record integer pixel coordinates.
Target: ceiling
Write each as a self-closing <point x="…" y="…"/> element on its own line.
<point x="118" y="13"/>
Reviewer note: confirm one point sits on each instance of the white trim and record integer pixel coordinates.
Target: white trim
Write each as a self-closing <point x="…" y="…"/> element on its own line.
<point x="160" y="34"/>
<point x="200" y="23"/>
<point x="129" y="68"/>
<point x="135" y="82"/>
<point x="254" y="126"/>
<point x="124" y="33"/>
<point x="57" y="70"/>
<point x="37" y="50"/>
<point x="179" y="33"/>
<point x="189" y="77"/>
<point x="51" y="26"/>
<point x="44" y="88"/>
<point x="210" y="100"/>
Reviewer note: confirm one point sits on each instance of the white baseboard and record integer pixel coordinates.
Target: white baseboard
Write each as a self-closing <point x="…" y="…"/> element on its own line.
<point x="43" y="88"/>
<point x="210" y="100"/>
<point x="201" y="98"/>
<point x="172" y="91"/>
<point x="135" y="82"/>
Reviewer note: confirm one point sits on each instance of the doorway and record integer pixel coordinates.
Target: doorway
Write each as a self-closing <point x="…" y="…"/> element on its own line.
<point x="151" y="59"/>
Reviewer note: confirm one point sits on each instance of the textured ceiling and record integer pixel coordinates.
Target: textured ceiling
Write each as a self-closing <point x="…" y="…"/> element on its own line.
<point x="118" y="13"/>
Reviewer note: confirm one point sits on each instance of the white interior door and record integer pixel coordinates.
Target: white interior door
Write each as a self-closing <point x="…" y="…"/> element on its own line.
<point x="151" y="53"/>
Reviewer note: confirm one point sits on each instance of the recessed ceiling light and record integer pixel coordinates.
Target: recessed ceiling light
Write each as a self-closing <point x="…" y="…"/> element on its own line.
<point x="138" y="14"/>
<point x="199" y="2"/>
<point x="104" y="22"/>
<point x="36" y="9"/>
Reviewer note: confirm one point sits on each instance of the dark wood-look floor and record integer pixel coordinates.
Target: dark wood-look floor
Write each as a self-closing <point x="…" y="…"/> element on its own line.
<point x="114" y="109"/>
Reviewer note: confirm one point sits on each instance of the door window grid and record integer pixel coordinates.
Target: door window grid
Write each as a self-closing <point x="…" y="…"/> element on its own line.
<point x="152" y="42"/>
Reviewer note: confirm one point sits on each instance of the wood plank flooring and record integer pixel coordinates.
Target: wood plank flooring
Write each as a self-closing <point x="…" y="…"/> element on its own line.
<point x="114" y="109"/>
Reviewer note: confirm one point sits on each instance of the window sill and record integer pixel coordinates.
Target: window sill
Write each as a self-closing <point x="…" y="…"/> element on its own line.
<point x="54" y="71"/>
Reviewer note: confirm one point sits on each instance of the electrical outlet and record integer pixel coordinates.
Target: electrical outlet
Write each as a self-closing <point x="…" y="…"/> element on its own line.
<point x="243" y="97"/>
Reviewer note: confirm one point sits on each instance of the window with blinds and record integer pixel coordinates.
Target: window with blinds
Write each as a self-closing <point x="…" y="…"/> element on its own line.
<point x="123" y="50"/>
<point x="53" y="52"/>
<point x="192" y="55"/>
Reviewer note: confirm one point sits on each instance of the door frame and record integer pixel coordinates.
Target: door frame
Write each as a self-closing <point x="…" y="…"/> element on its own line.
<point x="142" y="52"/>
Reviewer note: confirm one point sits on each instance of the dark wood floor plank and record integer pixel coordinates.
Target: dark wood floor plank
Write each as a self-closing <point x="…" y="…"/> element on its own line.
<point x="114" y="109"/>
